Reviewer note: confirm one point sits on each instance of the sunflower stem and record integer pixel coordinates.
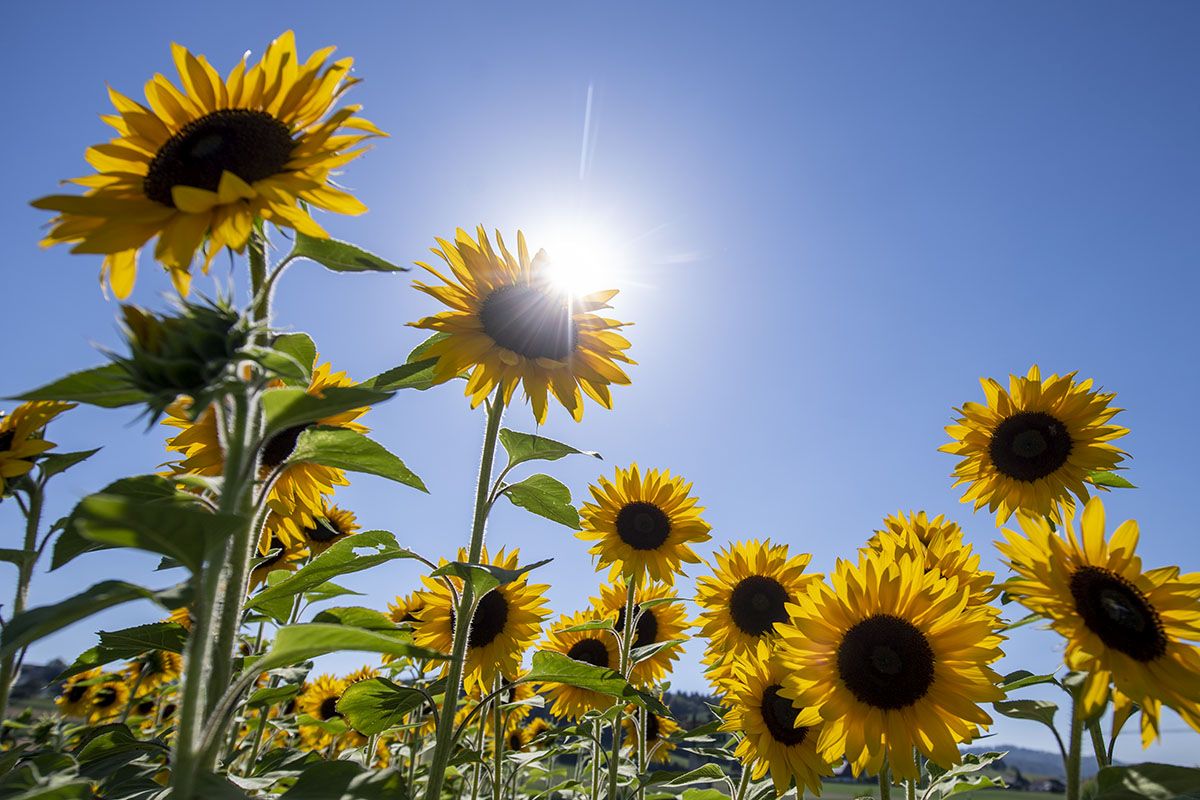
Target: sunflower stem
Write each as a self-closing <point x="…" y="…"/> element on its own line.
<point x="1098" y="743"/>
<point x="33" y="520"/>
<point x="626" y="645"/>
<point x="885" y="782"/>
<point x="497" y="742"/>
<point x="744" y="783"/>
<point x="596" y="747"/>
<point x="444" y="743"/>
<point x="643" y="724"/>
<point x="1075" y="746"/>
<point x="477" y="777"/>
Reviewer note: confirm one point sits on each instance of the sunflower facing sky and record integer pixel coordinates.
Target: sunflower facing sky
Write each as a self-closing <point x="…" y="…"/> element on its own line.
<point x="1032" y="447"/>
<point x="198" y="165"/>
<point x="507" y="621"/>
<point x="595" y="647"/>
<point x="895" y="658"/>
<point x="661" y="622"/>
<point x="21" y="439"/>
<point x="939" y="544"/>
<point x="777" y="737"/>
<point x="643" y="524"/>
<point x="509" y="323"/>
<point x="1136" y="630"/>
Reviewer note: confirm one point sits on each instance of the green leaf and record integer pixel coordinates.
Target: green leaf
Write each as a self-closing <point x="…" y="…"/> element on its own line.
<point x="347" y="780"/>
<point x="1037" y="710"/>
<point x="40" y="622"/>
<point x="350" y="450"/>
<point x="357" y="617"/>
<point x="59" y="788"/>
<point x="291" y="407"/>
<point x="640" y="654"/>
<point x="594" y="625"/>
<point x="173" y="530"/>
<point x="300" y="347"/>
<point x="352" y="554"/>
<point x="522" y="447"/>
<point x="709" y="773"/>
<point x="107" y="386"/>
<point x="1022" y="678"/>
<point x="270" y="695"/>
<point x="52" y="464"/>
<point x="704" y="794"/>
<point x="340" y="256"/>
<point x="328" y="591"/>
<point x="485" y="577"/>
<point x="414" y="375"/>
<point x="1028" y="619"/>
<point x="963" y="777"/>
<point x="546" y="497"/>
<point x="377" y="705"/>
<point x="129" y="643"/>
<point x="296" y="643"/>
<point x="144" y="490"/>
<point x="115" y="739"/>
<point x="551" y="667"/>
<point x="1109" y="480"/>
<point x="1148" y="782"/>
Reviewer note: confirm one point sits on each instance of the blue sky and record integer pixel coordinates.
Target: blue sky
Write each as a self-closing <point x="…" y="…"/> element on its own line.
<point x="828" y="222"/>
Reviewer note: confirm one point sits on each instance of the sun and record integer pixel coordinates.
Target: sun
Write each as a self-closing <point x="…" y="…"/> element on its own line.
<point x="582" y="258"/>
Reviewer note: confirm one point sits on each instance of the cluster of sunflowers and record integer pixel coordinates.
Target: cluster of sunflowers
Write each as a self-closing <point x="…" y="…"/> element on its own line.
<point x="884" y="665"/>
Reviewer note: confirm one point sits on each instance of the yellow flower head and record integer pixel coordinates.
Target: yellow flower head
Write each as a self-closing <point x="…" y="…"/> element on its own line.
<point x="596" y="647"/>
<point x="1132" y="628"/>
<point x="153" y="669"/>
<point x="108" y="700"/>
<point x="939" y="545"/>
<point x="21" y="439"/>
<point x="1032" y="447"/>
<point x="203" y="162"/>
<point x="76" y="697"/>
<point x="893" y="657"/>
<point x="319" y="701"/>
<point x="659" y="622"/>
<point x="330" y="527"/>
<point x="643" y="525"/>
<point x="509" y="324"/>
<point x="658" y="729"/>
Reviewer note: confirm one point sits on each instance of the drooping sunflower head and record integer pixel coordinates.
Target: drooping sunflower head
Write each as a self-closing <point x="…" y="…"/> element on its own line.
<point x="643" y="524"/>
<point x="154" y="669"/>
<point x="404" y="609"/>
<point x="595" y="647"/>
<point x="108" y="699"/>
<point x="197" y="165"/>
<point x="279" y="555"/>
<point x="939" y="545"/>
<point x="658" y="731"/>
<point x="508" y="323"/>
<point x="332" y="526"/>
<point x="894" y="657"/>
<point x="1127" y="627"/>
<point x="1033" y="446"/>
<point x="21" y="438"/>
<point x="660" y="621"/>
<point x="780" y="738"/>
<point x="76" y="697"/>
<point x="748" y="592"/>
<point x="507" y="620"/>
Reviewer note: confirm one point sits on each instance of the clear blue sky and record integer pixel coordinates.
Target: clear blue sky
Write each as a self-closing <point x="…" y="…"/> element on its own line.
<point x="834" y="220"/>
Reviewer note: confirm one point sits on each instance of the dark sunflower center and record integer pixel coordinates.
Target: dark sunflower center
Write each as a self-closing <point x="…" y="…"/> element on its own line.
<point x="1117" y="611"/>
<point x="153" y="663"/>
<point x="276" y="450"/>
<point x="646" y="630"/>
<point x="251" y="144"/>
<point x="1029" y="445"/>
<point x="643" y="526"/>
<point x="6" y="440"/>
<point x="328" y="709"/>
<point x="532" y="322"/>
<point x="651" y="728"/>
<point x="489" y="620"/>
<point x="277" y="551"/>
<point x="325" y="530"/>
<point x="590" y="651"/>
<point x="886" y="662"/>
<point x="144" y="708"/>
<point x="168" y="710"/>
<point x="757" y="603"/>
<point x="105" y="697"/>
<point x="76" y="693"/>
<point x="779" y="715"/>
<point x="514" y="741"/>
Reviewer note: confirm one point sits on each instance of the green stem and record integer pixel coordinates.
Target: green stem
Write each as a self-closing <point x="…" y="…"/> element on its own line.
<point x="1098" y="743"/>
<point x="625" y="667"/>
<point x="910" y="785"/>
<point x="444" y="742"/>
<point x="743" y="784"/>
<point x="497" y="741"/>
<point x="1076" y="745"/>
<point x="596" y="746"/>
<point x="477" y="780"/>
<point x="33" y="519"/>
<point x="885" y="782"/>
<point x="643" y="724"/>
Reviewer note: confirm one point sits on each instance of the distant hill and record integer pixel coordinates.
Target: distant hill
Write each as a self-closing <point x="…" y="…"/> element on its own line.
<point x="1032" y="763"/>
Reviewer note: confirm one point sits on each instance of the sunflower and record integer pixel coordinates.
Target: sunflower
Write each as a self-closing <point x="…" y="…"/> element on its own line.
<point x="108" y="699"/>
<point x="746" y="595"/>
<point x="778" y="737"/>
<point x="939" y="544"/>
<point x="154" y="668"/>
<point x="1031" y="447"/>
<point x="658" y="728"/>
<point x="507" y="620"/>
<point x="21" y="439"/>
<point x="894" y="657"/>
<point x="517" y="739"/>
<point x="330" y="527"/>
<point x="208" y="160"/>
<point x="319" y="701"/>
<point x="643" y="525"/>
<point x="595" y="647"/>
<point x="76" y="697"/>
<point x="181" y="616"/>
<point x="508" y="324"/>
<point x="280" y="556"/>
<point x="405" y="608"/>
<point x="1124" y="626"/>
<point x="661" y="622"/>
<point x="539" y="726"/>
<point x="298" y="495"/>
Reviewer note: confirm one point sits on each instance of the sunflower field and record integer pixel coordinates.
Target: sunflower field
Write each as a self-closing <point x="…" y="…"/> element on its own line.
<point x="475" y="688"/>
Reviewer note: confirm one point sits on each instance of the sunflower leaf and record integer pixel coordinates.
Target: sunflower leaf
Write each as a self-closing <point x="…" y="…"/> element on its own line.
<point x="340" y="256"/>
<point x="522" y="447"/>
<point x="107" y="387"/>
<point x="414" y="375"/>
<point x="350" y="450"/>
<point x="551" y="667"/>
<point x="296" y="643"/>
<point x="485" y="577"/>
<point x="376" y="705"/>
<point x="300" y="347"/>
<point x="709" y="773"/>
<point x="1022" y="678"/>
<point x="270" y="695"/>
<point x="53" y="464"/>
<point x="1147" y="782"/>
<point x="640" y="654"/>
<point x="1109" y="480"/>
<point x="358" y="617"/>
<point x="1042" y="711"/>
<point x="292" y="407"/>
<point x="347" y="780"/>
<point x="129" y="643"/>
<point x="546" y="497"/>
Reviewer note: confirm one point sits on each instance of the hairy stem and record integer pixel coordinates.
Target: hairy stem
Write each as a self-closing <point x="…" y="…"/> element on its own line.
<point x="1075" y="746"/>
<point x="33" y="519"/>
<point x="625" y="667"/>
